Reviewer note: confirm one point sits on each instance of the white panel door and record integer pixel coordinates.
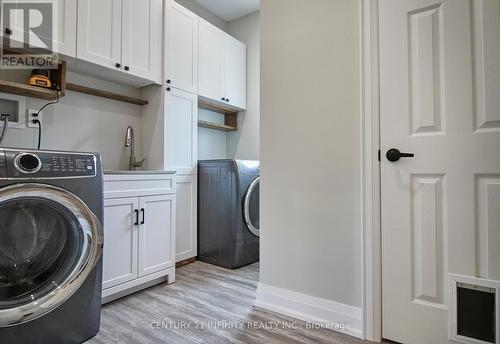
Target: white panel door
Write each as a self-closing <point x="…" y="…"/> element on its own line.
<point x="99" y="32"/>
<point x="210" y="63"/>
<point x="156" y="233"/>
<point x="440" y="86"/>
<point x="181" y="48"/>
<point x="181" y="131"/>
<point x="235" y="72"/>
<point x="186" y="218"/>
<point x="121" y="240"/>
<point x="142" y="38"/>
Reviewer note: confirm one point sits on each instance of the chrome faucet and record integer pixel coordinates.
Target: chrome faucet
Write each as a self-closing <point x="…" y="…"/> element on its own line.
<point x="130" y="142"/>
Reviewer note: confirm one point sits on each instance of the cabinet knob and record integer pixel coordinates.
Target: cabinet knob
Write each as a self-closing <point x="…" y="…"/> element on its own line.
<point x="8" y="31"/>
<point x="168" y="81"/>
<point x="227" y="100"/>
<point x="168" y="89"/>
<point x="118" y="65"/>
<point x="127" y="67"/>
<point x="223" y="99"/>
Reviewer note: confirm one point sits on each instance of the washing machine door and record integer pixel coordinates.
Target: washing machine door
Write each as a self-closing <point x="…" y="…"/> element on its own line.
<point x="251" y="207"/>
<point x="49" y="243"/>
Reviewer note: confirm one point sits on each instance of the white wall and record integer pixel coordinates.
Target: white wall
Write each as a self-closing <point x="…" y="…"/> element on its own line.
<point x="195" y="7"/>
<point x="244" y="144"/>
<point x="212" y="144"/>
<point x="82" y="122"/>
<point x="310" y="148"/>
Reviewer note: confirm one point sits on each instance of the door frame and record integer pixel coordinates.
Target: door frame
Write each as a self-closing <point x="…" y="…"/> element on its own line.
<point x="371" y="269"/>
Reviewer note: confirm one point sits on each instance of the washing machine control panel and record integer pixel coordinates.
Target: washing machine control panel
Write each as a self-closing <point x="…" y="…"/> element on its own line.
<point x="46" y="164"/>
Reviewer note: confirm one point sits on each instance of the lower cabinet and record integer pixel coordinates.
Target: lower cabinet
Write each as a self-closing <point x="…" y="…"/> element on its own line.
<point x="139" y="238"/>
<point x="186" y="217"/>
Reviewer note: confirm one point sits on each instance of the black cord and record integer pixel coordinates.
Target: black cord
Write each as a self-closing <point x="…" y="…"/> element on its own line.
<point x="5" y="118"/>
<point x="38" y="121"/>
<point x="39" y="133"/>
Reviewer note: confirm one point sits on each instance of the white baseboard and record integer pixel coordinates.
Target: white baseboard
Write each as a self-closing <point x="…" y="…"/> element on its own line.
<point x="309" y="308"/>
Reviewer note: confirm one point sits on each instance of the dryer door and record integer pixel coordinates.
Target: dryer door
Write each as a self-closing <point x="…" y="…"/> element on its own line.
<point x="251" y="207"/>
<point x="49" y="243"/>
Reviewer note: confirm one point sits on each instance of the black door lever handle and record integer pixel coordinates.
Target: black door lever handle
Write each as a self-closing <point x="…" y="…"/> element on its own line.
<point x="394" y="155"/>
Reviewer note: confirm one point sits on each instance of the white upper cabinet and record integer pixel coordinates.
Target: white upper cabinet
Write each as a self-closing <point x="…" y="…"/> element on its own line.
<point x="210" y="62"/>
<point x="125" y="35"/>
<point x="235" y="62"/>
<point x="181" y="131"/>
<point x="99" y="32"/>
<point x="181" y="47"/>
<point x="66" y="33"/>
<point x="64" y="39"/>
<point x="142" y="38"/>
<point x="222" y="67"/>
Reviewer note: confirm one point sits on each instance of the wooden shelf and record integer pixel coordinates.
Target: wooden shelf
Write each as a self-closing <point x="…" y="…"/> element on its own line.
<point x="105" y="94"/>
<point x="216" y="126"/>
<point x="27" y="90"/>
<point x="57" y="76"/>
<point x="230" y="117"/>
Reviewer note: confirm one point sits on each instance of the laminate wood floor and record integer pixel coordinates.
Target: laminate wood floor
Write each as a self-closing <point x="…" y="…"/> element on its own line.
<point x="206" y="304"/>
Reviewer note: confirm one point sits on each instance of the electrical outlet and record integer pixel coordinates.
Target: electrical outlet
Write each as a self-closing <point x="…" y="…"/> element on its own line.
<point x="31" y="117"/>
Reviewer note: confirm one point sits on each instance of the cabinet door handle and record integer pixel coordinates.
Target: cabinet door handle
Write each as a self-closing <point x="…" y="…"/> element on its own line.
<point x="168" y="81"/>
<point x="8" y="31"/>
<point x="143" y="215"/>
<point x="136" y="223"/>
<point x="118" y="65"/>
<point x="227" y="100"/>
<point x="127" y="67"/>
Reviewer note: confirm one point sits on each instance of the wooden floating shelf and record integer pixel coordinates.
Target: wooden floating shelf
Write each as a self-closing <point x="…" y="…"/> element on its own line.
<point x="230" y="117"/>
<point x="105" y="94"/>
<point x="57" y="76"/>
<point x="216" y="126"/>
<point x="27" y="90"/>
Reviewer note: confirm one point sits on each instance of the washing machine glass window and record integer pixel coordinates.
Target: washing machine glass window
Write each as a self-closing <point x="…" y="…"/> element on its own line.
<point x="49" y="242"/>
<point x="252" y="207"/>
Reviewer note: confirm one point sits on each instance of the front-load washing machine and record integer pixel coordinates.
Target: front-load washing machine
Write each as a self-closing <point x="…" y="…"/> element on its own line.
<point x="51" y="211"/>
<point x="228" y="212"/>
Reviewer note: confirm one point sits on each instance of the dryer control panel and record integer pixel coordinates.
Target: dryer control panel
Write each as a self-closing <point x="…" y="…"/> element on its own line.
<point x="27" y="164"/>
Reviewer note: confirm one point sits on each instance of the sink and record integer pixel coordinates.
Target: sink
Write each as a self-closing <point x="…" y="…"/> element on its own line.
<point x="137" y="172"/>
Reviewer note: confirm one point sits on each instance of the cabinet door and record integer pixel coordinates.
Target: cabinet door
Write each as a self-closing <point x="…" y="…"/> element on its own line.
<point x="186" y="218"/>
<point x="99" y="31"/>
<point x="181" y="48"/>
<point x="235" y="71"/>
<point x="64" y="39"/>
<point x="142" y="38"/>
<point x="156" y="233"/>
<point x="181" y="129"/>
<point x="211" y="55"/>
<point x="66" y="33"/>
<point x="120" y="241"/>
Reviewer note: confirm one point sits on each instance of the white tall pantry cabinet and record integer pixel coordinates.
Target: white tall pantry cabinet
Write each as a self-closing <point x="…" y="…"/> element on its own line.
<point x="201" y="63"/>
<point x="181" y="120"/>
